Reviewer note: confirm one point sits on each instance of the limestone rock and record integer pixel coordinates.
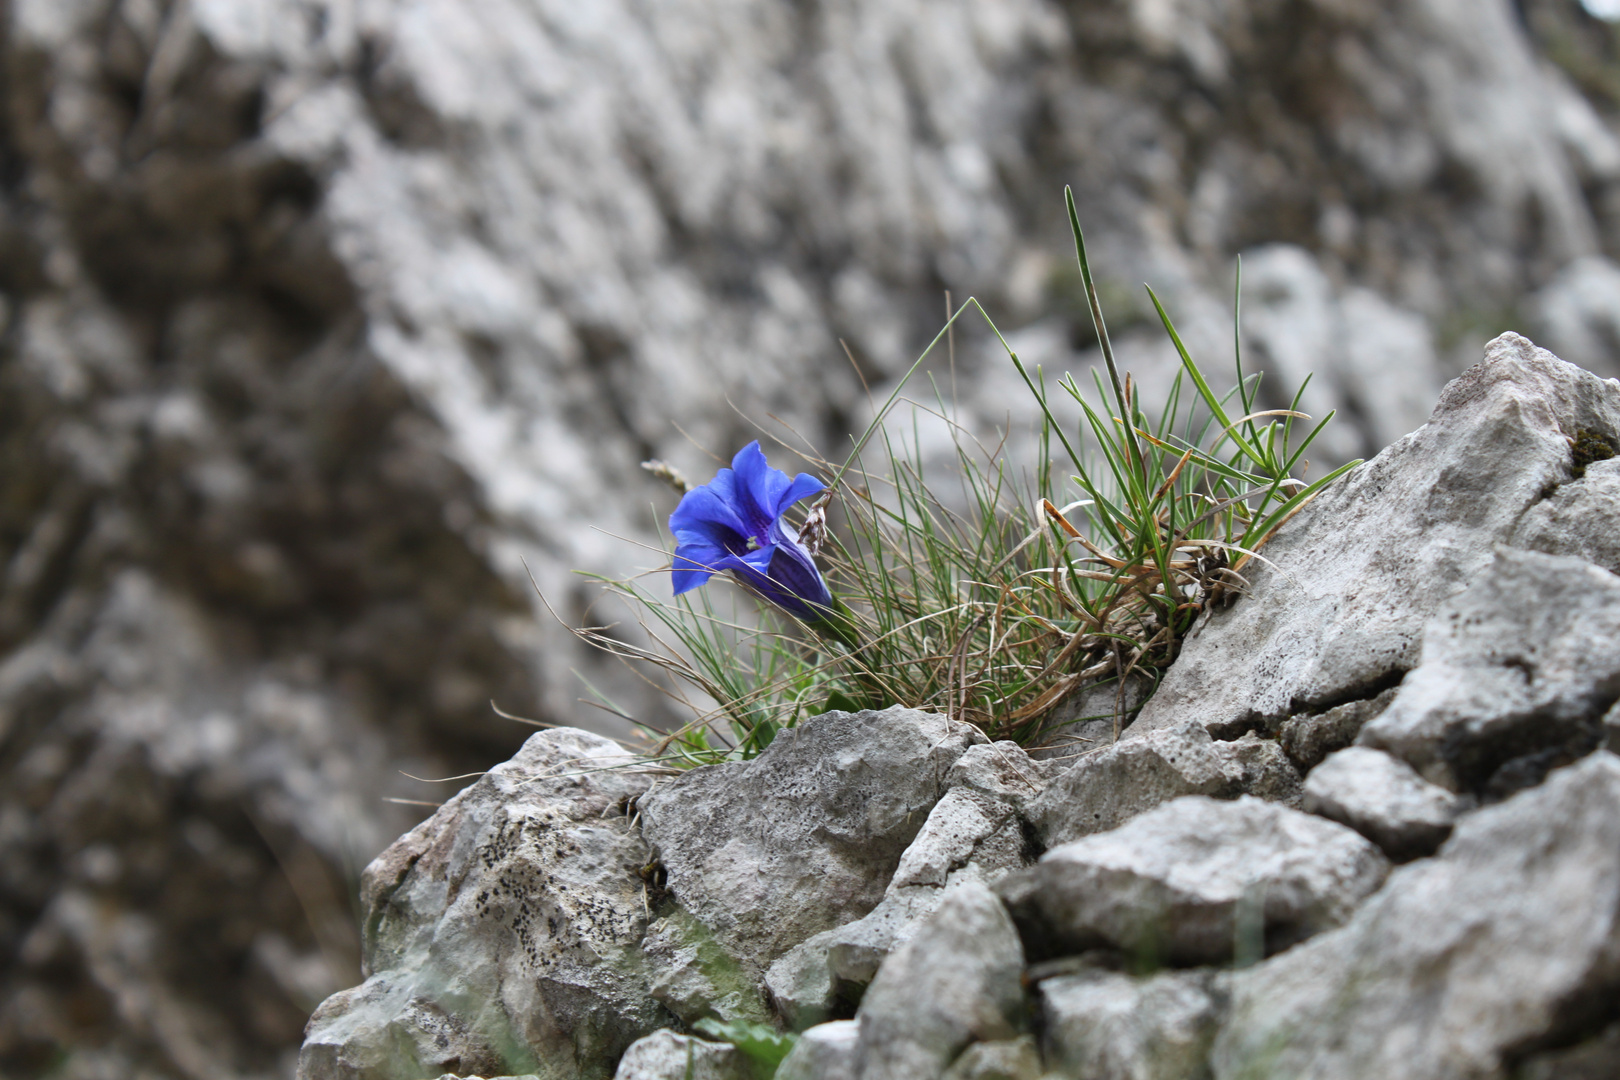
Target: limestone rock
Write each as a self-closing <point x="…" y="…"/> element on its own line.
<point x="1383" y="799"/>
<point x="804" y="838"/>
<point x="1296" y="326"/>
<point x="502" y="933"/>
<point x="1000" y="769"/>
<point x="964" y="829"/>
<point x="1325" y="620"/>
<point x="824" y="1052"/>
<point x="694" y="976"/>
<point x="1108" y="787"/>
<point x="1309" y="737"/>
<point x="665" y="1055"/>
<point x="1508" y="939"/>
<point x="1580" y="518"/>
<point x="1112" y="1026"/>
<point x="1186" y="883"/>
<point x="1005" y="1059"/>
<point x="832" y="969"/>
<point x="955" y="981"/>
<point x="1597" y="1058"/>
<point x="969" y="836"/>
<point x="1517" y="672"/>
<point x="1578" y="312"/>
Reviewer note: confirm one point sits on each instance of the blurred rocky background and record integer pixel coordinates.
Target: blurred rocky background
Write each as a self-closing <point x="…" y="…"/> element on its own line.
<point x="327" y="322"/>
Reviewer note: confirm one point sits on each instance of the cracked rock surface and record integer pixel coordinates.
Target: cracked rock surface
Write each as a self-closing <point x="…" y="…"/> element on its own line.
<point x="1108" y="787"/>
<point x="1511" y="936"/>
<point x="806" y="837"/>
<point x="502" y="934"/>
<point x="1383" y="799"/>
<point x="1183" y="884"/>
<point x="1109" y="1024"/>
<point x="956" y="981"/>
<point x="1518" y="671"/>
<point x="1329" y="619"/>
<point x="664" y="1055"/>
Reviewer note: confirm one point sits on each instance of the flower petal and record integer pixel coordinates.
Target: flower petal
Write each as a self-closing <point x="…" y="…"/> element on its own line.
<point x="803" y="486"/>
<point x="785" y="575"/>
<point x="757" y="490"/>
<point x="695" y="562"/>
<point x="793" y="569"/>
<point x="704" y="512"/>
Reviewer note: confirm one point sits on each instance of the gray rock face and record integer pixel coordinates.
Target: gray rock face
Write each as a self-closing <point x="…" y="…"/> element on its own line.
<point x="694" y="976"/>
<point x="814" y="978"/>
<point x="1113" y="1026"/>
<point x="804" y="838"/>
<point x="1593" y="1059"/>
<point x="974" y="833"/>
<point x="1511" y="935"/>
<point x="1185" y="883"/>
<point x="1376" y="351"/>
<point x="1005" y="1059"/>
<point x="1001" y="770"/>
<point x="955" y="981"/>
<point x="824" y="1052"/>
<point x="1326" y="620"/>
<point x="1108" y="787"/>
<point x="1310" y="737"/>
<point x="1383" y="799"/>
<point x="665" y="1055"/>
<point x="1578" y="311"/>
<point x="1517" y="672"/>
<point x="965" y="829"/>
<point x="1581" y="518"/>
<point x="502" y="933"/>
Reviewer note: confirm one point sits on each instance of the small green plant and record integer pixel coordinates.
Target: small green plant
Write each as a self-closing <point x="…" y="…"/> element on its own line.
<point x="1086" y="569"/>
<point x="761" y="1044"/>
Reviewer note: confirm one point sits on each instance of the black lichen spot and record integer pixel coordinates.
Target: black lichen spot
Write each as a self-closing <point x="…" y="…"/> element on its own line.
<point x="1590" y="446"/>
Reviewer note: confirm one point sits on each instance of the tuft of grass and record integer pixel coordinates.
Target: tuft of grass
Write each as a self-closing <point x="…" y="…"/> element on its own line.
<point x="1004" y="606"/>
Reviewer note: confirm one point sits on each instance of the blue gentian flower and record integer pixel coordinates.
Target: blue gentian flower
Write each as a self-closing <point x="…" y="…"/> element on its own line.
<point x="734" y="523"/>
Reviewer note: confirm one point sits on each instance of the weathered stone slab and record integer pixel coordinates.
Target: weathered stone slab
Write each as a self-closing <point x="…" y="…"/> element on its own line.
<point x="1004" y="1059"/>
<point x="1340" y="604"/>
<point x="1108" y="787"/>
<point x="1308" y="738"/>
<point x="1508" y="939"/>
<point x="1179" y="884"/>
<point x="804" y="838"/>
<point x="955" y="981"/>
<point x="1580" y="519"/>
<point x="824" y="1052"/>
<point x="1109" y="1025"/>
<point x="969" y="836"/>
<point x="667" y="1055"/>
<point x="1383" y="799"/>
<point x="1518" y="670"/>
<point x="502" y="933"/>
